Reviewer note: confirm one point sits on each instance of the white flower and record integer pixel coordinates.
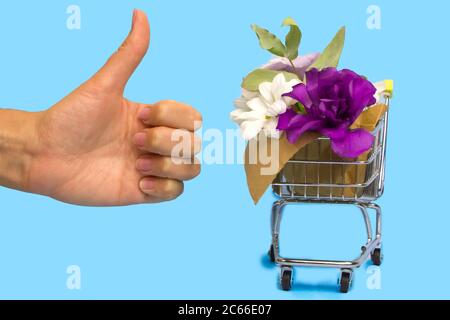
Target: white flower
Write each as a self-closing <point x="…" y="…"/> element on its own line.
<point x="259" y="111"/>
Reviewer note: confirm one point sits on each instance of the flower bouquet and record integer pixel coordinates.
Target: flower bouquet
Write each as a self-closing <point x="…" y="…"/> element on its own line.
<point x="293" y="102"/>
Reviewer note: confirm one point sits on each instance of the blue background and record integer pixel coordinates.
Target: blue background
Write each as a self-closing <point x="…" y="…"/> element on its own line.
<point x="211" y="242"/>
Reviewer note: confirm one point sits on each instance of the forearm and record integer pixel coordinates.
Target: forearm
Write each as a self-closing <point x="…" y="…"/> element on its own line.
<point x="18" y="147"/>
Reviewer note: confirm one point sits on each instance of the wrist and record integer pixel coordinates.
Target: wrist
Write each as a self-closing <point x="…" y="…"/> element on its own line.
<point x="18" y="147"/>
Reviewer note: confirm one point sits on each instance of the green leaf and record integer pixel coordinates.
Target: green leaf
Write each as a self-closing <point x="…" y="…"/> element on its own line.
<point x="331" y="55"/>
<point x="269" y="41"/>
<point x="293" y="38"/>
<point x="255" y="78"/>
<point x="300" y="108"/>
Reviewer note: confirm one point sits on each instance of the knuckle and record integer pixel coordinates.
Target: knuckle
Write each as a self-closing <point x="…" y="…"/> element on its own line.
<point x="173" y="189"/>
<point x="161" y="112"/>
<point x="166" y="165"/>
<point x="167" y="188"/>
<point x="164" y="104"/>
<point x="155" y="137"/>
<point x="136" y="45"/>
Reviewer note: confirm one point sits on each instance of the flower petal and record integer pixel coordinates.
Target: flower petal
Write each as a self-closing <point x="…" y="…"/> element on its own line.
<point x="362" y="95"/>
<point x="312" y="80"/>
<point x="270" y="129"/>
<point x="257" y="104"/>
<point x="350" y="143"/>
<point x="251" y="116"/>
<point x="300" y="93"/>
<point x="301" y="63"/>
<point x="265" y="89"/>
<point x="280" y="86"/>
<point x="246" y="94"/>
<point x="301" y="124"/>
<point x="241" y="103"/>
<point x="277" y="64"/>
<point x="236" y="116"/>
<point x="251" y="129"/>
<point x="276" y="108"/>
<point x="285" y="119"/>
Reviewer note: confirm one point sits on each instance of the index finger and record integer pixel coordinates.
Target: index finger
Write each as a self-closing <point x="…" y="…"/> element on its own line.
<point x="171" y="114"/>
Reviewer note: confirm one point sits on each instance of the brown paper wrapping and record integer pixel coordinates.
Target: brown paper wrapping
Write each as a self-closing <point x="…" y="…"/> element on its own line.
<point x="309" y="147"/>
<point x="357" y="174"/>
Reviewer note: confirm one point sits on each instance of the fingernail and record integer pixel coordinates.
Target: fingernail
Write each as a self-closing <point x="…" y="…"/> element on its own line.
<point x="140" y="139"/>
<point x="144" y="165"/>
<point x="147" y="185"/>
<point x="144" y="114"/>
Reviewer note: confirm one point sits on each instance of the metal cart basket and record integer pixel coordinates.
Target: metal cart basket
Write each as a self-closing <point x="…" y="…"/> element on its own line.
<point x="316" y="175"/>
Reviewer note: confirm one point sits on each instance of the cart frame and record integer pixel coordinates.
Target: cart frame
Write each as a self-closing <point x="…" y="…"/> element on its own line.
<point x="366" y="192"/>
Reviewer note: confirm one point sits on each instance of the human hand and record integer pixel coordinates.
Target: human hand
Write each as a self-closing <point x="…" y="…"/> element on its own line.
<point x="97" y="148"/>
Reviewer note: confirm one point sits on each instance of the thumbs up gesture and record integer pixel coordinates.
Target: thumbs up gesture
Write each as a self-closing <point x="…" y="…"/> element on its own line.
<point x="97" y="148"/>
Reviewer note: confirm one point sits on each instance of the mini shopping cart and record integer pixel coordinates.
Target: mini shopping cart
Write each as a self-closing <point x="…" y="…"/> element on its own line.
<point x="316" y="175"/>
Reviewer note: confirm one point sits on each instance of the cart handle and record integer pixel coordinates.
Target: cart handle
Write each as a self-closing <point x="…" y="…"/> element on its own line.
<point x="385" y="88"/>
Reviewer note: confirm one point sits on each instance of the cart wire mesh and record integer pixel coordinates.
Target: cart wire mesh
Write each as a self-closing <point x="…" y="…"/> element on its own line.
<point x="316" y="173"/>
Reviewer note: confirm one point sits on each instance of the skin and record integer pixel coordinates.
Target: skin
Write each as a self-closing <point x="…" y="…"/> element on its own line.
<point x="95" y="147"/>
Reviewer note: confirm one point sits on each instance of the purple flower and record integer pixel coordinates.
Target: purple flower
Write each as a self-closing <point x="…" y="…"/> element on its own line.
<point x="333" y="100"/>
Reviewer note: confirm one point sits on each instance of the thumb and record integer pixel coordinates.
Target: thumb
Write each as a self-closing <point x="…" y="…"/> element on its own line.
<point x="120" y="66"/>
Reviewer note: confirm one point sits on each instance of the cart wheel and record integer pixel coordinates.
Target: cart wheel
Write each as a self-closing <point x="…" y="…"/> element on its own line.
<point x="286" y="279"/>
<point x="345" y="281"/>
<point x="377" y="257"/>
<point x="272" y="254"/>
